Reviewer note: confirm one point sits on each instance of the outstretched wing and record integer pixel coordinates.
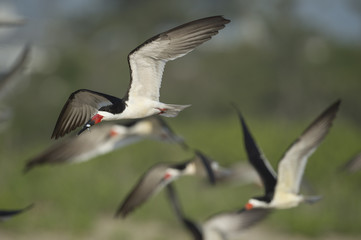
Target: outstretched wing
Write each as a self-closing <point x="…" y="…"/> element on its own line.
<point x="80" y="107"/>
<point x="292" y="165"/>
<point x="76" y="148"/>
<point x="149" y="184"/>
<point x="192" y="227"/>
<point x="147" y="61"/>
<point x="257" y="159"/>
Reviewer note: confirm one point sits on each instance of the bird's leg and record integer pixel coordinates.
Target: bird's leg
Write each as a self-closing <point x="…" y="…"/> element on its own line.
<point x="97" y="118"/>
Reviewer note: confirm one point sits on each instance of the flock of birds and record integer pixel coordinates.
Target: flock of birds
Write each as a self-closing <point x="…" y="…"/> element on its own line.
<point x="86" y="108"/>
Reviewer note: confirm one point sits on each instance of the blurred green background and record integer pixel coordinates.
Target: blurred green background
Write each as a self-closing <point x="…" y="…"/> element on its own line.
<point x="282" y="62"/>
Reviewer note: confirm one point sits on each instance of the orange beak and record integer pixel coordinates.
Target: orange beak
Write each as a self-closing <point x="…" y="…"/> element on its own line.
<point x="248" y="206"/>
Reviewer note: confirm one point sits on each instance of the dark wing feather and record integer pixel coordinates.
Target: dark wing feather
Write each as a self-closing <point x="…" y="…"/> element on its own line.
<point x="149" y="184"/>
<point x="257" y="159"/>
<point x="191" y="226"/>
<point x="70" y="149"/>
<point x="206" y="164"/>
<point x="80" y="107"/>
<point x="5" y="214"/>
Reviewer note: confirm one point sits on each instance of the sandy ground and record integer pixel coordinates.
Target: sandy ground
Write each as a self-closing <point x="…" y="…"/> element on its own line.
<point x="112" y="230"/>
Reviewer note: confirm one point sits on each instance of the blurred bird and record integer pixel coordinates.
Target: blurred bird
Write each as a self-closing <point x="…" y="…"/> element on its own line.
<point x="6" y="214"/>
<point x="240" y="173"/>
<point x="146" y="62"/>
<point x="103" y="139"/>
<point x="352" y="165"/>
<point x="160" y="175"/>
<point x="223" y="225"/>
<point x="283" y="191"/>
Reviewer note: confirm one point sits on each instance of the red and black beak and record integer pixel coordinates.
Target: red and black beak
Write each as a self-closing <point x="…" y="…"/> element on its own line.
<point x="90" y="123"/>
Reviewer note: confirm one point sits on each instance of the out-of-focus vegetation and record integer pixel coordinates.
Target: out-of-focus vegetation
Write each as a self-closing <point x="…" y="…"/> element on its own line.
<point x="280" y="72"/>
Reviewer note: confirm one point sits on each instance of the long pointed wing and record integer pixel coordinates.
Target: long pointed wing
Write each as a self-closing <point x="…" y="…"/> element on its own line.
<point x="257" y="159"/>
<point x="77" y="148"/>
<point x="191" y="226"/>
<point x="79" y="108"/>
<point x="204" y="165"/>
<point x="147" y="61"/>
<point x="148" y="185"/>
<point x="292" y="165"/>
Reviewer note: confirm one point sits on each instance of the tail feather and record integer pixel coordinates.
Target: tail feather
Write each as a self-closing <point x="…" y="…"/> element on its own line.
<point x="172" y="110"/>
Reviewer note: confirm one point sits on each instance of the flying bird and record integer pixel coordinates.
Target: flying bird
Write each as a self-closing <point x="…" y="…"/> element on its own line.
<point x="160" y="175"/>
<point x="147" y="61"/>
<point x="6" y="214"/>
<point x="282" y="191"/>
<point x="223" y="225"/>
<point x="103" y="139"/>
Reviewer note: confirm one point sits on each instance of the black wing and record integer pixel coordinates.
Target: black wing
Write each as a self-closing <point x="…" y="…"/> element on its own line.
<point x="191" y="226"/>
<point x="207" y="166"/>
<point x="5" y="214"/>
<point x="257" y="159"/>
<point x="149" y="184"/>
<point x="80" y="107"/>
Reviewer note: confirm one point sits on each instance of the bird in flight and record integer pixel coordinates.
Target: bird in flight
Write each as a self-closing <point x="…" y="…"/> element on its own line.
<point x="282" y="191"/>
<point x="147" y="61"/>
<point x="224" y="225"/>
<point x="159" y="176"/>
<point x="104" y="139"/>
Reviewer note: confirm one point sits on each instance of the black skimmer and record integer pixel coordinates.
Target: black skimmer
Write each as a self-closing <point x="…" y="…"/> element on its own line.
<point x="223" y="225"/>
<point x="147" y="61"/>
<point x="6" y="214"/>
<point x="160" y="175"/>
<point x="283" y="191"/>
<point x="352" y="165"/>
<point x="103" y="139"/>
